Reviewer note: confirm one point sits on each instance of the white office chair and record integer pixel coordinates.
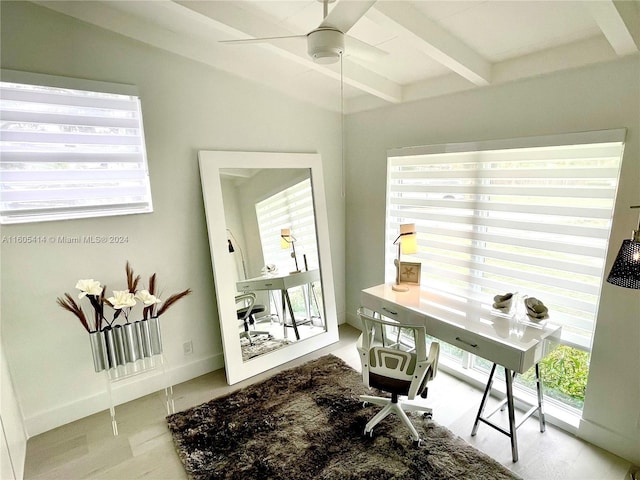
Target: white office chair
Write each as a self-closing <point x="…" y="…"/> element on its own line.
<point x="395" y="366"/>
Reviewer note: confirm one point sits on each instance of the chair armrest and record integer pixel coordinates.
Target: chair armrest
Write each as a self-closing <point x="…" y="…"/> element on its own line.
<point x="250" y="296"/>
<point x="425" y="370"/>
<point x="434" y="356"/>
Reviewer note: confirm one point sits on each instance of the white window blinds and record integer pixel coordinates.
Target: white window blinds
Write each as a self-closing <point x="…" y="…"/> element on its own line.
<point x="70" y="152"/>
<point x="291" y="208"/>
<point x="527" y="215"/>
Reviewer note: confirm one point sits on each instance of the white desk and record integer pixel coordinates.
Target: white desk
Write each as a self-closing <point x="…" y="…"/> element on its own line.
<point x="283" y="283"/>
<point x="477" y="329"/>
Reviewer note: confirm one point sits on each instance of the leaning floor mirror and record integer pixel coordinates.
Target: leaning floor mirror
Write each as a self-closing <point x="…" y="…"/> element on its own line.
<point x="269" y="239"/>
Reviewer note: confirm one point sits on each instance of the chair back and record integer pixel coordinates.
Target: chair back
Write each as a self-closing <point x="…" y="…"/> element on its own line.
<point x="394" y="356"/>
<point x="247" y="300"/>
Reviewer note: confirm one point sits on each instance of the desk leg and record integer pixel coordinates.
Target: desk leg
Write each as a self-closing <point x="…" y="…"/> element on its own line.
<point x="272" y="296"/>
<point x="512" y="415"/>
<point x="485" y="396"/>
<point x="315" y="301"/>
<point x="168" y="397"/>
<point x="284" y="314"/>
<point x="293" y="318"/>
<point x="540" y="408"/>
<point x="511" y="433"/>
<point x="306" y="292"/>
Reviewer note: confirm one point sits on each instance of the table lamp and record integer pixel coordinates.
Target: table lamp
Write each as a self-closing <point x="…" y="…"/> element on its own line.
<point x="287" y="239"/>
<point x="626" y="269"/>
<point x="407" y="243"/>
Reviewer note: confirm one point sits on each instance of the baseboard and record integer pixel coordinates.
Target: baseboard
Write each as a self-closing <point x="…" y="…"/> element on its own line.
<point x="625" y="447"/>
<point x="122" y="392"/>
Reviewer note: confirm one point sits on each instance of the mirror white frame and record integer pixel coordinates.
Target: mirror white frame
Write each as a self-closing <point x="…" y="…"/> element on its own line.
<point x="211" y="164"/>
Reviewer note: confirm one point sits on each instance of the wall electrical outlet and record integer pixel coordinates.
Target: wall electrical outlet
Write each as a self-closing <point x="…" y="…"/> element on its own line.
<point x="187" y="347"/>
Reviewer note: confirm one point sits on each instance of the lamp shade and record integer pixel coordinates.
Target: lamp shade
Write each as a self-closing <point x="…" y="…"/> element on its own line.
<point x="408" y="238"/>
<point x="285" y="238"/>
<point x="626" y="269"/>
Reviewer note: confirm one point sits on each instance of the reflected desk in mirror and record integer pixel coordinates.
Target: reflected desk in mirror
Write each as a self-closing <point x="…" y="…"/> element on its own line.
<point x="283" y="283"/>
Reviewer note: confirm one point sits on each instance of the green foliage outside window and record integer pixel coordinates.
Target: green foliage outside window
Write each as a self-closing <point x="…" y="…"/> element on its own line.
<point x="564" y="374"/>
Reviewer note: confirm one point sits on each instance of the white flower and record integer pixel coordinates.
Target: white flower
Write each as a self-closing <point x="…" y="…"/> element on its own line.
<point x="88" y="287"/>
<point x="122" y="299"/>
<point x="145" y="297"/>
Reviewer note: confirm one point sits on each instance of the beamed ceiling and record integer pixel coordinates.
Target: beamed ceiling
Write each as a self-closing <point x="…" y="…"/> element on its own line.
<point x="422" y="48"/>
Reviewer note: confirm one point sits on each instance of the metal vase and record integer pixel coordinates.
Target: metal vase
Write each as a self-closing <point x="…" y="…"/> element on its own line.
<point x="119" y="344"/>
<point x="146" y="338"/>
<point x="156" y="335"/>
<point x="97" y="350"/>
<point x="131" y="350"/>
<point x="137" y="327"/>
<point x="125" y="344"/>
<point x="110" y="343"/>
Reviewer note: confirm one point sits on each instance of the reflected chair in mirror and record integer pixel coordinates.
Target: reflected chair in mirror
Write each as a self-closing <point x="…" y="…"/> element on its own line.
<point x="394" y="359"/>
<point x="246" y="313"/>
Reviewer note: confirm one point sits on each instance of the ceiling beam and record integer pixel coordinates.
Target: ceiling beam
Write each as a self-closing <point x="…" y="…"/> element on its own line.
<point x="430" y="38"/>
<point x="620" y="24"/>
<point x="242" y="23"/>
<point x="370" y="82"/>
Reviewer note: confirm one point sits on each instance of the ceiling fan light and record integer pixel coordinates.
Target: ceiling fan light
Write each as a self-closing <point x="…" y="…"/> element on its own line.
<point x="326" y="58"/>
<point x="325" y="45"/>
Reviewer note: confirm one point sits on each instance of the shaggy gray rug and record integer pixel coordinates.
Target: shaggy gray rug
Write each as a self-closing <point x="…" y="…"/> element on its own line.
<point x="261" y="344"/>
<point x="307" y="423"/>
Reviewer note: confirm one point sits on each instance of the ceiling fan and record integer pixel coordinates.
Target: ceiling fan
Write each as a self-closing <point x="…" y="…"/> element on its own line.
<point x="326" y="43"/>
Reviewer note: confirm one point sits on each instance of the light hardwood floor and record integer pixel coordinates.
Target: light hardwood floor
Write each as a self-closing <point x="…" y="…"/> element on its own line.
<point x="86" y="449"/>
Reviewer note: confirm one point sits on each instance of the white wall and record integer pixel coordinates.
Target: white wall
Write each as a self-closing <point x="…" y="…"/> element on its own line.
<point x="599" y="97"/>
<point x="187" y="107"/>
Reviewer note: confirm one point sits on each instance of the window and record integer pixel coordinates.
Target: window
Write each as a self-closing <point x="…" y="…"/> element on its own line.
<point x="291" y="208"/>
<point x="530" y="215"/>
<point x="70" y="149"/>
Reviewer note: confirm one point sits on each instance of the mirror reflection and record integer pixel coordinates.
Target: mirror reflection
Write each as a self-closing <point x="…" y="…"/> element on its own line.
<point x="272" y="238"/>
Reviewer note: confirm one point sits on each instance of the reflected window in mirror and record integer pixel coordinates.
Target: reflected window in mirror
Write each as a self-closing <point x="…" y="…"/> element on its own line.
<point x="291" y="209"/>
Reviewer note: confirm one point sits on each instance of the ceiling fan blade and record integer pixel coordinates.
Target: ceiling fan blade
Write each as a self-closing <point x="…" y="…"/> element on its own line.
<point x="259" y="40"/>
<point x="362" y="50"/>
<point x="346" y="13"/>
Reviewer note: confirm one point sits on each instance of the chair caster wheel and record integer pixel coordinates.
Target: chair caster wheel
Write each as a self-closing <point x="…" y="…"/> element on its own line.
<point x="365" y="404"/>
<point x="428" y="415"/>
<point x="417" y="443"/>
